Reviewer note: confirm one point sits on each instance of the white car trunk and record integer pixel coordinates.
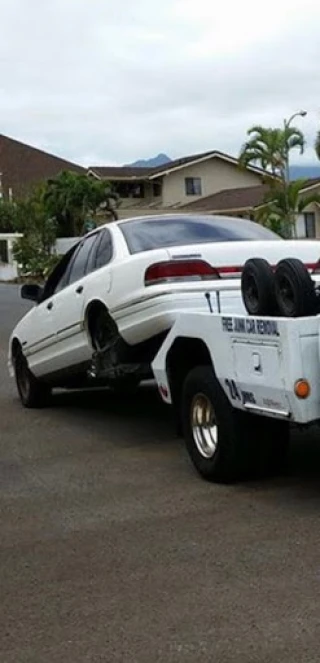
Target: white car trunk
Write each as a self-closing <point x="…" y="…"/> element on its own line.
<point x="223" y="254"/>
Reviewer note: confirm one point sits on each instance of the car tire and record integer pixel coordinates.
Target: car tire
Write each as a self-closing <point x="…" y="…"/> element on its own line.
<point x="257" y="287"/>
<point x="233" y="445"/>
<point x="32" y="392"/>
<point x="294" y="289"/>
<point x="103" y="330"/>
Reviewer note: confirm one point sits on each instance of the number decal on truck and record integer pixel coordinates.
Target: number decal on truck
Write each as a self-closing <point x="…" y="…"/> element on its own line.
<point x="237" y="394"/>
<point x="233" y="390"/>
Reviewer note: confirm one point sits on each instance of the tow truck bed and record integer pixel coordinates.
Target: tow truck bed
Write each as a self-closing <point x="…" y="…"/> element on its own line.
<point x="261" y="373"/>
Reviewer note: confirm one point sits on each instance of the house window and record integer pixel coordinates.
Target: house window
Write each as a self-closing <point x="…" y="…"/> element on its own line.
<point x="193" y="186"/>
<point x="4" y="256"/>
<point x="310" y="224"/>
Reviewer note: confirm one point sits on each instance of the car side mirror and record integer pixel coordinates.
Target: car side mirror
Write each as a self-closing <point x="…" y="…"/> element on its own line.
<point x="31" y="291"/>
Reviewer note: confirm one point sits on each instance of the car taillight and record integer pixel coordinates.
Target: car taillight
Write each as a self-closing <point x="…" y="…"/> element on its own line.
<point x="314" y="267"/>
<point x="229" y="271"/>
<point x="179" y="270"/>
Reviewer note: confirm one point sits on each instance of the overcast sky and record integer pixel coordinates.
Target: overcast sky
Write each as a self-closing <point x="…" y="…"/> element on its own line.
<point x="106" y="82"/>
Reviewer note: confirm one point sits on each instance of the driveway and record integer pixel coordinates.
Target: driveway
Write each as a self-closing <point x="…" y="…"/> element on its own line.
<point x="114" y="550"/>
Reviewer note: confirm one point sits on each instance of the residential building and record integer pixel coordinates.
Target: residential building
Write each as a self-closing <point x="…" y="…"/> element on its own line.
<point x="238" y="201"/>
<point x="308" y="222"/>
<point x="23" y="166"/>
<point x="246" y="202"/>
<point x="174" y="185"/>
<point x="210" y="182"/>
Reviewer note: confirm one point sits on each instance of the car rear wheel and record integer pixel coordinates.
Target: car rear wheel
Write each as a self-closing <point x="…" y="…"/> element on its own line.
<point x="32" y="392"/>
<point x="103" y="330"/>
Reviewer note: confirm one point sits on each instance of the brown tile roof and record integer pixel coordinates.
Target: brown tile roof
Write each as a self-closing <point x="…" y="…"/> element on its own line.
<point x="133" y="171"/>
<point x="23" y="166"/>
<point x="184" y="161"/>
<point x="229" y="199"/>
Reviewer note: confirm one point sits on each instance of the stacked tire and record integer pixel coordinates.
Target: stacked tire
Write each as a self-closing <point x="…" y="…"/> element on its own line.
<point x="286" y="291"/>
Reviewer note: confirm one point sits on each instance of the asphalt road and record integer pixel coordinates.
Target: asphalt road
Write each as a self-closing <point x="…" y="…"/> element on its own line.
<point x="113" y="550"/>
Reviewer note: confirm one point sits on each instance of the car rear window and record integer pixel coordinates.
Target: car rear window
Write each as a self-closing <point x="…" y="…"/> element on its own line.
<point x="156" y="232"/>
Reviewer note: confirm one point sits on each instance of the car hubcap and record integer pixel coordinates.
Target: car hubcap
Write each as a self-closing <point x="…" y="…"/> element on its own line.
<point x="204" y="426"/>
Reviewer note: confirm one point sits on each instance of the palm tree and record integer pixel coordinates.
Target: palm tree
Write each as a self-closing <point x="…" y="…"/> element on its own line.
<point x="285" y="203"/>
<point x="269" y="148"/>
<point x="317" y="145"/>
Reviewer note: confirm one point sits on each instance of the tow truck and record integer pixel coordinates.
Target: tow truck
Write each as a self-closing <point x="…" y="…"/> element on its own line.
<point x="238" y="382"/>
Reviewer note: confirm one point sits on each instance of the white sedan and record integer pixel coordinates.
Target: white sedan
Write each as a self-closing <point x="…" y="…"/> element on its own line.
<point x="108" y="305"/>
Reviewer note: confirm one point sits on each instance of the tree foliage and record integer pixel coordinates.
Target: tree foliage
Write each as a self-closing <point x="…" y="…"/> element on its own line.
<point x="269" y="148"/>
<point x="70" y="198"/>
<point x="279" y="200"/>
<point x="8" y="216"/>
<point x="60" y="207"/>
<point x="34" y="251"/>
<point x="317" y="145"/>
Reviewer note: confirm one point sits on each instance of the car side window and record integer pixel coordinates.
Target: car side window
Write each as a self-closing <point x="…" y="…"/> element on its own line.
<point x="78" y="268"/>
<point x="104" y="250"/>
<point x="57" y="278"/>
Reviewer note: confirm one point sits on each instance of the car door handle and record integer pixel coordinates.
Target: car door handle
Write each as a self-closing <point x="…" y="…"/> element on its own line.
<point x="50" y="306"/>
<point x="79" y="289"/>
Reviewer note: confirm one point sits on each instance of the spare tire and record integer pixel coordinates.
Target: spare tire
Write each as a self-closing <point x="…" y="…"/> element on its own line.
<point x="294" y="289"/>
<point x="257" y="287"/>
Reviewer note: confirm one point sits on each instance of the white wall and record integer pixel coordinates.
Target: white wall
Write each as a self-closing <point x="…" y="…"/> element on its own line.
<point x="9" y="270"/>
<point x="300" y="227"/>
<point x="63" y="244"/>
<point x="216" y="175"/>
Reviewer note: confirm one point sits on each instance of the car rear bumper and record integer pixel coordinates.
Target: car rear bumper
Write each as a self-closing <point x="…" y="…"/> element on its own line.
<point x="145" y="319"/>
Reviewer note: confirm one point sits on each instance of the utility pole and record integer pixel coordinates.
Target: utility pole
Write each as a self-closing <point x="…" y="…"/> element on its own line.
<point x="286" y="174"/>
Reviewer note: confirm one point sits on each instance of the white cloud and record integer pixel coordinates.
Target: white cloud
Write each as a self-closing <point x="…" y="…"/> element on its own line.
<point x="102" y="82"/>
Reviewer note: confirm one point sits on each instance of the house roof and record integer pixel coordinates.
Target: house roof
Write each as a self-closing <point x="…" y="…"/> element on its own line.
<point x="128" y="172"/>
<point x="120" y="172"/>
<point x="238" y="199"/>
<point x="309" y="184"/>
<point x="23" y="166"/>
<point x="230" y="199"/>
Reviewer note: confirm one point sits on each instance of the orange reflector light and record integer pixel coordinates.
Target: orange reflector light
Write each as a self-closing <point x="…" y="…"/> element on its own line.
<point x="302" y="388"/>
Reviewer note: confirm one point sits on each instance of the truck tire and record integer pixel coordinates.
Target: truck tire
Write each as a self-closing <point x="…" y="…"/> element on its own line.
<point x="227" y="445"/>
<point x="257" y="287"/>
<point x="32" y="392"/>
<point x="294" y="289"/>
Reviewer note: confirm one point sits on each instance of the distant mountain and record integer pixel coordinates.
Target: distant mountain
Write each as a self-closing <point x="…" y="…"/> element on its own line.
<point x="304" y="171"/>
<point x="159" y="160"/>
